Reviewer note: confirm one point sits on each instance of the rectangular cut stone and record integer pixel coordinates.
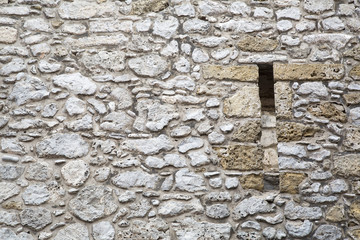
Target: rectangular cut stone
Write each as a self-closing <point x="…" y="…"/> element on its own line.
<point x="257" y="44"/>
<point x="8" y="35"/>
<point x="240" y="157"/>
<point x="252" y="181"/>
<point x="311" y="72"/>
<point x="289" y="182"/>
<point x="94" y="41"/>
<point x="347" y="165"/>
<point x="245" y="73"/>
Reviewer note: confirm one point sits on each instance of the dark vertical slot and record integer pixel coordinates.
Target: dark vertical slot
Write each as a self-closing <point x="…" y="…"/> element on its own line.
<point x="266" y="87"/>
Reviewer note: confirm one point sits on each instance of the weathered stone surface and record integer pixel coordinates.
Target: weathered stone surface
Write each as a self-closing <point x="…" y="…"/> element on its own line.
<point x="153" y="228"/>
<point x="174" y="208"/>
<point x="35" y="218"/>
<point x="39" y="171"/>
<point x="352" y="139"/>
<point x="62" y="145"/>
<point x="244" y="73"/>
<point x="352" y="98"/>
<point x="190" y="229"/>
<point x="336" y="213"/>
<point x="217" y="211"/>
<point x="243" y="26"/>
<point x="146" y="6"/>
<point x="92" y="203"/>
<point x="353" y="52"/>
<point x="318" y="6"/>
<point x="149" y="146"/>
<point x="298" y="212"/>
<point x="73" y="231"/>
<point x="159" y="115"/>
<point x="289" y="182"/>
<point x="355" y="72"/>
<point x="332" y="111"/>
<point x="283" y="100"/>
<point x="76" y="83"/>
<point x="252" y="181"/>
<point x="165" y="27"/>
<point x="36" y="194"/>
<point x="251" y="206"/>
<point x="75" y="173"/>
<point x="135" y="179"/>
<point x="96" y="41"/>
<point x="299" y="229"/>
<point x="103" y="231"/>
<point x="244" y="103"/>
<point x="104" y="61"/>
<point x="293" y="131"/>
<point x="304" y="72"/>
<point x="148" y="65"/>
<point x="10" y="172"/>
<point x="10" y="145"/>
<point x="118" y="121"/>
<point x="239" y="157"/>
<point x="328" y="232"/>
<point x="9" y="218"/>
<point x="335" y="40"/>
<point x="8" y="190"/>
<point x="196" y="26"/>
<point x="8" y="35"/>
<point x="347" y="165"/>
<point x="257" y="44"/>
<point x="248" y="131"/>
<point x="77" y="10"/>
<point x="189" y="181"/>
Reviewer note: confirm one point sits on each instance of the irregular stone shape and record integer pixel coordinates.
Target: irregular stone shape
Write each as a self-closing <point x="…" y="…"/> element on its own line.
<point x="248" y="131"/>
<point x="159" y="115"/>
<point x="149" y="146"/>
<point x="36" y="194"/>
<point x="293" y="131"/>
<point x="299" y="229"/>
<point x="30" y="89"/>
<point x="75" y="173"/>
<point x="352" y="98"/>
<point x="35" y="218"/>
<point x="174" y="160"/>
<point x="9" y="145"/>
<point x="332" y="111"/>
<point x="104" y="61"/>
<point x="8" y="234"/>
<point x="354" y="210"/>
<point x="75" y="83"/>
<point x="73" y="231"/>
<point x="318" y="6"/>
<point x="353" y="52"/>
<point x="355" y="72"/>
<point x="352" y="139"/>
<point x="155" y="228"/>
<point x="217" y="211"/>
<point x="293" y="164"/>
<point x="139" y="209"/>
<point x="92" y="203"/>
<point x="251" y="206"/>
<point x="96" y="41"/>
<point x="347" y="165"/>
<point x="308" y="72"/>
<point x="252" y="181"/>
<point x="146" y="6"/>
<point x="165" y="28"/>
<point x="336" y="213"/>
<point x="49" y="110"/>
<point x="39" y="171"/>
<point x="243" y="158"/>
<point x="8" y="190"/>
<point x="283" y="100"/>
<point x="123" y="97"/>
<point x="334" y="40"/>
<point x="9" y="219"/>
<point x="103" y="231"/>
<point x="82" y="124"/>
<point x="191" y="229"/>
<point x="249" y="43"/>
<point x="196" y="26"/>
<point x="69" y="145"/>
<point x="292" y="149"/>
<point x="289" y="182"/>
<point x="8" y="35"/>
<point x="118" y="121"/>
<point x="244" y="103"/>
<point x="25" y="124"/>
<point x="244" y="73"/>
<point x="190" y="143"/>
<point x="189" y="181"/>
<point x="211" y="8"/>
<point x="75" y="106"/>
<point x="135" y="179"/>
<point x="174" y="208"/>
<point x="77" y="10"/>
<point x="297" y="212"/>
<point x="149" y="65"/>
<point x="328" y="232"/>
<point x="216" y="138"/>
<point x="10" y="172"/>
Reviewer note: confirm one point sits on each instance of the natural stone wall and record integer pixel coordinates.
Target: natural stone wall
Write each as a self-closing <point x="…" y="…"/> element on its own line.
<point x="142" y="119"/>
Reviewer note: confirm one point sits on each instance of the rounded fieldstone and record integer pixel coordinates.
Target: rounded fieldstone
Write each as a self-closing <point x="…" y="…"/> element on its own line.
<point x="217" y="211"/>
<point x="36" y="194"/>
<point x="35" y="218"/>
<point x="75" y="173"/>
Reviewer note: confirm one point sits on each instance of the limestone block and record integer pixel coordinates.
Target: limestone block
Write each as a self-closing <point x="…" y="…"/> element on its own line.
<point x="353" y="52"/>
<point x="289" y="182"/>
<point x="336" y="213"/>
<point x="306" y="72"/>
<point x="331" y="111"/>
<point x="352" y="139"/>
<point x="352" y="98"/>
<point x="257" y="44"/>
<point x="248" y="131"/>
<point x="283" y="100"/>
<point x="146" y="6"/>
<point x="252" y="181"/>
<point x="8" y="35"/>
<point x="292" y="131"/>
<point x="347" y="165"/>
<point x="244" y="73"/>
<point x="355" y="72"/>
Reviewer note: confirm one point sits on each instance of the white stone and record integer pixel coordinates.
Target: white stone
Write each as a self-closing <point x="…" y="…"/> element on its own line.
<point x="286" y="3"/>
<point x="193" y="114"/>
<point x="36" y="194"/>
<point x="200" y="56"/>
<point x="99" y="106"/>
<point x="190" y="143"/>
<point x="185" y="9"/>
<point x="73" y="231"/>
<point x="289" y="13"/>
<point x="198" y="158"/>
<point x="284" y="25"/>
<point x="335" y="40"/>
<point x="123" y="97"/>
<point x="346" y="9"/>
<point x="37" y="25"/>
<point x="170" y="49"/>
<point x="196" y="26"/>
<point x="211" y="8"/>
<point x="104" y="61"/>
<point x="16" y="65"/>
<point x="251" y="225"/>
<point x="220" y="54"/>
<point x="35" y="218"/>
<point x="10" y="145"/>
<point x="180" y="131"/>
<point x="9" y="219"/>
<point x="240" y="8"/>
<point x="74" y="28"/>
<point x="338" y="186"/>
<point x="149" y="65"/>
<point x="8" y="190"/>
<point x="305" y="25"/>
<point x="244" y="26"/>
<point x="216" y="138"/>
<point x="189" y="181"/>
<point x="75" y="106"/>
<point x="294" y="212"/>
<point x="226" y="127"/>
<point x="289" y="40"/>
<point x="8" y="34"/>
<point x="313" y="89"/>
<point x="318" y="6"/>
<point x="217" y="211"/>
<point x="262" y="58"/>
<point x="174" y="208"/>
<point x="78" y="10"/>
<point x="251" y="206"/>
<point x="215" y="182"/>
<point x="40" y="49"/>
<point x="118" y="121"/>
<point x="231" y="182"/>
<point x="137" y="178"/>
<point x="292" y="149"/>
<point x="263" y="12"/>
<point x="293" y="164"/>
<point x="333" y="23"/>
<point x="76" y="83"/>
<point x="47" y="67"/>
<point x="103" y="231"/>
<point x="159" y="116"/>
<point x="165" y="28"/>
<point x="75" y="173"/>
<point x="182" y="65"/>
<point x="149" y="146"/>
<point x="211" y="41"/>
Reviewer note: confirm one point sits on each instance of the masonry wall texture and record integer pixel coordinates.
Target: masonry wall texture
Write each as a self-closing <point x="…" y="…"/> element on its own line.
<point x="142" y="119"/>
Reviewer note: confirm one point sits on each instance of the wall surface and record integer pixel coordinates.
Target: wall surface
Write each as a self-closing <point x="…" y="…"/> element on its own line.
<point x="142" y="119"/>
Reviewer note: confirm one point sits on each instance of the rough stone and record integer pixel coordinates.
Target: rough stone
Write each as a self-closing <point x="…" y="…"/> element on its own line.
<point x="62" y="145"/>
<point x="355" y="72"/>
<point x="257" y="44"/>
<point x="73" y="231"/>
<point x="248" y="131"/>
<point x="189" y="181"/>
<point x="75" y="106"/>
<point x="315" y="6"/>
<point x="298" y="212"/>
<point x="352" y="98"/>
<point x="251" y="206"/>
<point x="293" y="131"/>
<point x="336" y="213"/>
<point x="8" y="35"/>
<point x="134" y="179"/>
<point x="76" y="83"/>
<point x="35" y="218"/>
<point x="9" y="145"/>
<point x="351" y="141"/>
<point x="299" y="229"/>
<point x="335" y="40"/>
<point x="36" y="194"/>
<point x="332" y="111"/>
<point x="146" y="6"/>
<point x="346" y="165"/>
<point x="75" y="173"/>
<point x="238" y="73"/>
<point x="8" y="190"/>
<point x="78" y="10"/>
<point x="289" y="182"/>
<point x="328" y="232"/>
<point x="174" y="208"/>
<point x="190" y="143"/>
<point x="252" y="181"/>
<point x="39" y="171"/>
<point x="103" y="231"/>
<point x="10" y="172"/>
<point x="196" y="26"/>
<point x="306" y="72"/>
<point x="149" y="146"/>
<point x="217" y="211"/>
<point x="9" y="218"/>
<point x="104" y="61"/>
<point x="118" y="121"/>
<point x="148" y="65"/>
<point x="165" y="28"/>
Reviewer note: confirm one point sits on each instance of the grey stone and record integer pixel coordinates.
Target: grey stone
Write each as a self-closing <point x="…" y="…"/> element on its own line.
<point x="185" y="9"/>
<point x="92" y="203"/>
<point x="292" y="149"/>
<point x="216" y="138"/>
<point x="240" y="8"/>
<point x="149" y="146"/>
<point x="289" y="13"/>
<point x="335" y="40"/>
<point x="8" y="234"/>
<point x="200" y="56"/>
<point x="292" y="163"/>
<point x="28" y="90"/>
<point x="190" y="143"/>
<point x="314" y="89"/>
<point x="294" y="212"/>
<point x="9" y="219"/>
<point x="174" y="208"/>
<point x="40" y="49"/>
<point x="252" y="225"/>
<point x="75" y="173"/>
<point x="355" y="116"/>
<point x="243" y="26"/>
<point x="327" y="232"/>
<point x="299" y="229"/>
<point x="231" y="183"/>
<point x="10" y="172"/>
<point x="75" y="106"/>
<point x="198" y="158"/>
<point x="77" y="10"/>
<point x="36" y="218"/>
<point x="8" y="190"/>
<point x="118" y="121"/>
<point x="180" y="131"/>
<point x="333" y="23"/>
<point x="318" y="198"/>
<point x="123" y="97"/>
<point x="103" y="61"/>
<point x="211" y="8"/>
<point x="154" y="228"/>
<point x="9" y="145"/>
<point x="189" y="181"/>
<point x="37" y="25"/>
<point x="39" y="171"/>
<point x="318" y="6"/>
<point x="269" y="233"/>
<point x="16" y="65"/>
<point x="98" y="105"/>
<point x="173" y="160"/>
<point x="193" y="114"/>
<point x="159" y="116"/>
<point x="74" y="28"/>
<point x="25" y="124"/>
<point x="76" y="83"/>
<point x="263" y="12"/>
<point x="165" y="28"/>
<point x="217" y="211"/>
<point x="139" y="209"/>
<point x="196" y="26"/>
<point x="36" y="194"/>
<point x="251" y="206"/>
<point x="135" y="179"/>
<point x="215" y="182"/>
<point x="279" y="218"/>
<point x="338" y="186"/>
<point x="49" y="110"/>
<point x="248" y="235"/>
<point x="218" y="197"/>
<point x="82" y="124"/>
<point x="62" y="145"/>
<point x="149" y="65"/>
<point x="73" y="231"/>
<point x="103" y="231"/>
<point x="127" y="196"/>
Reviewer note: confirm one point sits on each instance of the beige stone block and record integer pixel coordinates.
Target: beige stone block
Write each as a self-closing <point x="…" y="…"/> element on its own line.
<point x="352" y="139"/>
<point x="268" y="138"/>
<point x="270" y="160"/>
<point x="8" y="35"/>
<point x="244" y="73"/>
<point x="257" y="44"/>
<point x="293" y="131"/>
<point x="347" y="165"/>
<point x="283" y="100"/>
<point x="306" y="72"/>
<point x="146" y="6"/>
<point x="331" y="111"/>
<point x="355" y="72"/>
<point x="244" y="103"/>
<point x="336" y="213"/>
<point x="240" y="157"/>
<point x="289" y="182"/>
<point x="354" y="210"/>
<point x="353" y="52"/>
<point x="248" y="131"/>
<point x="252" y="181"/>
<point x="352" y="98"/>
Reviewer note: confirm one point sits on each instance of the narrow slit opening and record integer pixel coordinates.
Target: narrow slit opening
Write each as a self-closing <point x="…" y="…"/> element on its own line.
<point x="266" y="88"/>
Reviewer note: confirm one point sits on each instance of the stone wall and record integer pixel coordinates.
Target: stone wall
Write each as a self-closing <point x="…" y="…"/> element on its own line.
<point x="142" y="119"/>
